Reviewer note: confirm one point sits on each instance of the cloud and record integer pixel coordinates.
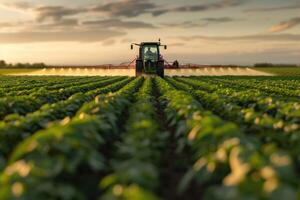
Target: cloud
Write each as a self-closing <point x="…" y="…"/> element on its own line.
<point x="203" y="7"/>
<point x="133" y="8"/>
<point x="238" y="57"/>
<point x="117" y="23"/>
<point x="55" y="13"/>
<point x="109" y="42"/>
<point x="178" y="44"/>
<point x="56" y="25"/>
<point x="59" y="36"/>
<point x="120" y="8"/>
<point x="43" y="13"/>
<point x="218" y="20"/>
<point x="6" y="25"/>
<point x="14" y="25"/>
<point x="185" y="24"/>
<point x="271" y="9"/>
<point x="32" y="26"/>
<point x="258" y="37"/>
<point x="127" y="40"/>
<point x="20" y="5"/>
<point x="203" y="23"/>
<point x="63" y="23"/>
<point x="125" y="8"/>
<point x="285" y="25"/>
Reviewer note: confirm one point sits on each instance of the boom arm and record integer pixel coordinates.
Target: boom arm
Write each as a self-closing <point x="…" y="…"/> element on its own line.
<point x="134" y="44"/>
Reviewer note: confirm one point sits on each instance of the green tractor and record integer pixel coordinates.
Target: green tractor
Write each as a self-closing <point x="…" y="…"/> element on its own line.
<point x="149" y="61"/>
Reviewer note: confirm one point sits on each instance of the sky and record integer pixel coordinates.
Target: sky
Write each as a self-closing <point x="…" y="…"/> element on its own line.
<point x="93" y="32"/>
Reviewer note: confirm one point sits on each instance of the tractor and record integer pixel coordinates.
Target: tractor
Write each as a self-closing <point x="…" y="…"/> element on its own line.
<point x="149" y="61"/>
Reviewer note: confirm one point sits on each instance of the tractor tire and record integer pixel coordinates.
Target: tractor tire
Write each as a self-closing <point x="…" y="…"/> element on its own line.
<point x="139" y="68"/>
<point x="160" y="70"/>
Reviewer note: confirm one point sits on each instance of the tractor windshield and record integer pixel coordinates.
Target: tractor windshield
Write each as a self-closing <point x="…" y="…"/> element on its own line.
<point x="150" y="53"/>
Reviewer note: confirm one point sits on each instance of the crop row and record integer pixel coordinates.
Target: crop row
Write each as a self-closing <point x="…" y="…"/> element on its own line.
<point x="31" y="88"/>
<point x="285" y="109"/>
<point x="53" y="163"/>
<point x="19" y="127"/>
<point x="152" y="138"/>
<point x="267" y="127"/>
<point x="29" y="103"/>
<point x="263" y="86"/>
<point x="136" y="165"/>
<point x="228" y="163"/>
<point x="8" y="82"/>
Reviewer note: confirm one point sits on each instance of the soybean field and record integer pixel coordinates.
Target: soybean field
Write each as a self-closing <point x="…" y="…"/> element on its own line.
<point x="148" y="138"/>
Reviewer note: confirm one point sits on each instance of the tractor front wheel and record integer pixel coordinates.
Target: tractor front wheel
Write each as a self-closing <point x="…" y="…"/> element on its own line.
<point x="160" y="70"/>
<point x="139" y="68"/>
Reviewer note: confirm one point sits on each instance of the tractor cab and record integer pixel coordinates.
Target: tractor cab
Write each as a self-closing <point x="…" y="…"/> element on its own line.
<point x="149" y="60"/>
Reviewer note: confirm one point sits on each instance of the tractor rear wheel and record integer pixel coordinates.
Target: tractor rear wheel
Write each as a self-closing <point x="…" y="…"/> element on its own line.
<point x="160" y="70"/>
<point x="139" y="68"/>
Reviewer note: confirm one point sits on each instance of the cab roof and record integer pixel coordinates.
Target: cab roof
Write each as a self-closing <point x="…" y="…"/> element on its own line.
<point x="150" y="43"/>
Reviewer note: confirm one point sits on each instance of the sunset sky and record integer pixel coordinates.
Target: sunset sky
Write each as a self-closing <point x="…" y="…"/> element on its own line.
<point x="78" y="32"/>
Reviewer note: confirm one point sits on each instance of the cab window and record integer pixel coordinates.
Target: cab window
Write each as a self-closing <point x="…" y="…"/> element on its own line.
<point x="150" y="53"/>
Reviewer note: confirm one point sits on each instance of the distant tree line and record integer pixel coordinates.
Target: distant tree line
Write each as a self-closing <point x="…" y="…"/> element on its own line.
<point x="275" y="65"/>
<point x="3" y="64"/>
